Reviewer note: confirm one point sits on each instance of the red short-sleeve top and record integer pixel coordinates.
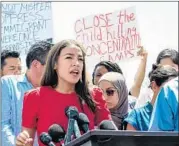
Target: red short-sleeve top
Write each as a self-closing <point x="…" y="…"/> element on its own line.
<point x="44" y="106"/>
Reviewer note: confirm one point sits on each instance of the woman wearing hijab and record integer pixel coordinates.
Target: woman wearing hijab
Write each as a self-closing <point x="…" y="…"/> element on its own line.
<point x="115" y="92"/>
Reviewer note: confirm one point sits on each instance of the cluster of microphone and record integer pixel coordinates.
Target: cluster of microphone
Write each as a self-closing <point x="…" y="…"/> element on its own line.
<point x="55" y="134"/>
<point x="77" y="122"/>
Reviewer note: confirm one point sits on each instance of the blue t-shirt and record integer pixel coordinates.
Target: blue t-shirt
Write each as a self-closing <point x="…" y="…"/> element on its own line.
<point x="165" y="112"/>
<point x="140" y="118"/>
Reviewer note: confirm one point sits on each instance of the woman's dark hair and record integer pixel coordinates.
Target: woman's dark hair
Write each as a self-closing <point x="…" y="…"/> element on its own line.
<point x="161" y="74"/>
<point x="168" y="53"/>
<point x="50" y="77"/>
<point x="110" y="66"/>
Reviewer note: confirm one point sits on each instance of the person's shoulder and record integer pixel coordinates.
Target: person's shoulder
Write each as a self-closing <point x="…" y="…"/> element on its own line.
<point x="34" y="91"/>
<point x="8" y="77"/>
<point x="132" y="116"/>
<point x="171" y="83"/>
<point x="95" y="90"/>
<point x="170" y="87"/>
<point x="96" y="93"/>
<point x="148" y="105"/>
<point x="32" y="95"/>
<point x="138" y="111"/>
<point x="12" y="78"/>
<point x="9" y="81"/>
<point x="37" y="91"/>
<point x="169" y="90"/>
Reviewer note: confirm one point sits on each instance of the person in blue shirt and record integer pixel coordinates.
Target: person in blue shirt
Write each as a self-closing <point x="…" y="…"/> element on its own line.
<point x="167" y="56"/>
<point x="13" y="88"/>
<point x="139" y="118"/>
<point x="165" y="111"/>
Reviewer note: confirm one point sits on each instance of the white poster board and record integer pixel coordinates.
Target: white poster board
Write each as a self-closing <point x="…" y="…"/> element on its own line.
<point x="110" y="36"/>
<point x="24" y="23"/>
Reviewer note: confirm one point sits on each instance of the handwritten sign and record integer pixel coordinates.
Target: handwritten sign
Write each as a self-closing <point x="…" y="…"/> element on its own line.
<point x="24" y="23"/>
<point x="111" y="36"/>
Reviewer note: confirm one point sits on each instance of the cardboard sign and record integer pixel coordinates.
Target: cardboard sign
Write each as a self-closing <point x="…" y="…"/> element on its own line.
<point x="111" y="36"/>
<point x="24" y="23"/>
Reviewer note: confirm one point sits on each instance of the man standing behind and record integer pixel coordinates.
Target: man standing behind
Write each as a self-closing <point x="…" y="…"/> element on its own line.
<point x="13" y="89"/>
<point x="10" y="63"/>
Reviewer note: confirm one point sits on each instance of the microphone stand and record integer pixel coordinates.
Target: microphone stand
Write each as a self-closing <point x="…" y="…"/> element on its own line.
<point x="72" y="114"/>
<point x="70" y="130"/>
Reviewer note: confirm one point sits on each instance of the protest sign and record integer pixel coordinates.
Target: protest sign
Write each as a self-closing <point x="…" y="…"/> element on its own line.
<point x="111" y="36"/>
<point x="24" y="23"/>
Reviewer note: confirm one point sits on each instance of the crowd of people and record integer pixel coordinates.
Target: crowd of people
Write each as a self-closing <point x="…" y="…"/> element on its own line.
<point x="56" y="78"/>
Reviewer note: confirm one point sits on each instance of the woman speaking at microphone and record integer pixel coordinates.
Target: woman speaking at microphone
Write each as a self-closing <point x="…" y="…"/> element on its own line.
<point x="63" y="84"/>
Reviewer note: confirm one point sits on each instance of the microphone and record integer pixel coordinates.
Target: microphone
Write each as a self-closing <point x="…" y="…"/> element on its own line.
<point x="83" y="122"/>
<point x="72" y="114"/>
<point x="56" y="132"/>
<point x="107" y="125"/>
<point x="46" y="139"/>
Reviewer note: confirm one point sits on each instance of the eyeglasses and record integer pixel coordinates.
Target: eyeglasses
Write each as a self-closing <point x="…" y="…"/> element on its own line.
<point x="110" y="92"/>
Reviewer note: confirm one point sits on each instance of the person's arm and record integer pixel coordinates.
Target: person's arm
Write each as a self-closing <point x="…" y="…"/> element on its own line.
<point x="8" y="135"/>
<point x="26" y="137"/>
<point x="139" y="77"/>
<point x="29" y="119"/>
<point x="131" y="121"/>
<point x="130" y="127"/>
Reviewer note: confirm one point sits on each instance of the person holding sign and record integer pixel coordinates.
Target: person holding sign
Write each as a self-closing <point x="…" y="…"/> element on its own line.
<point x="139" y="118"/>
<point x="165" y="57"/>
<point x="63" y="84"/>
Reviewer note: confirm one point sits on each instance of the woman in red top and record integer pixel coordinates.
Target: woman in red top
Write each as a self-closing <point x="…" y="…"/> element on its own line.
<point x="63" y="84"/>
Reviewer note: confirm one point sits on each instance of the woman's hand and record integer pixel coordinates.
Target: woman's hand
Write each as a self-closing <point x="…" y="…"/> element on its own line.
<point x="142" y="52"/>
<point x="23" y="139"/>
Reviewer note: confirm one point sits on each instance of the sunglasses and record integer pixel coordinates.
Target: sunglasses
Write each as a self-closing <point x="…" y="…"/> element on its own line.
<point x="110" y="92"/>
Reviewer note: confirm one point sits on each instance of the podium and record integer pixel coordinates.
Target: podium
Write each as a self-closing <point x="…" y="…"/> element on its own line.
<point x="126" y="138"/>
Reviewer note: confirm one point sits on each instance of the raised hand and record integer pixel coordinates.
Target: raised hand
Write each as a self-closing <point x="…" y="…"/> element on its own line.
<point x="142" y="52"/>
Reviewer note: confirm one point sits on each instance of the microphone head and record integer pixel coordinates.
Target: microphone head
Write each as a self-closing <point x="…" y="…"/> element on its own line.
<point x="83" y="119"/>
<point x="72" y="112"/>
<point x="45" y="138"/>
<point x="83" y="122"/>
<point x="56" y="132"/>
<point x="107" y="125"/>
